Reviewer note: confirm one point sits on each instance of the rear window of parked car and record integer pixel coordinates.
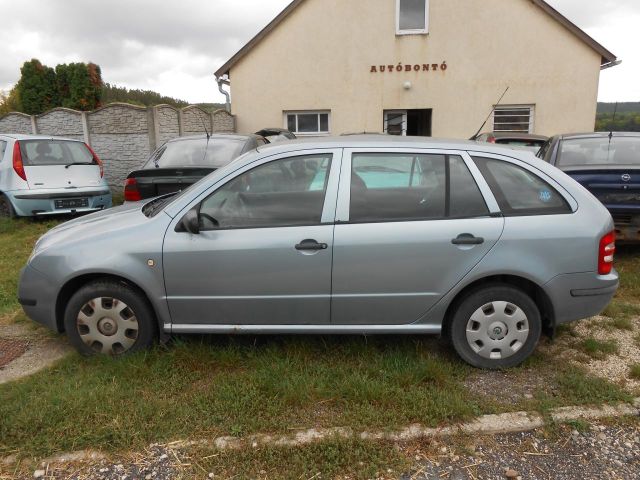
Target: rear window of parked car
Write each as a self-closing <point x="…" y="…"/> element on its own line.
<point x="406" y="187"/>
<point x="54" y="152"/>
<point x="599" y="151"/>
<point x="520" y="192"/>
<point x="191" y="153"/>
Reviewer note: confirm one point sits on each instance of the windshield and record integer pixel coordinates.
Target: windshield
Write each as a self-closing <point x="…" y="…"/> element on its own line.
<point x="191" y="153"/>
<point x="54" y="152"/>
<point x="599" y="151"/>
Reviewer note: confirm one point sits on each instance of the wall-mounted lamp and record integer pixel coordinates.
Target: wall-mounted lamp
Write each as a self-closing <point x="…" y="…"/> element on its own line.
<point x="407" y="85"/>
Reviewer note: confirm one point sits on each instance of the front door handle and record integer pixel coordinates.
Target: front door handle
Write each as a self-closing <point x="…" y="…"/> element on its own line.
<point x="467" y="239"/>
<point x="311" y="245"/>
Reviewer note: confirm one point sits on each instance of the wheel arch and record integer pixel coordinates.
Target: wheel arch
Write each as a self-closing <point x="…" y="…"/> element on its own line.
<point x="74" y="284"/>
<point x="535" y="291"/>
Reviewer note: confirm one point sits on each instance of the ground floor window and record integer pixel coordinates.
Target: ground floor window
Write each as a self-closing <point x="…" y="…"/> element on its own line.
<point x="308" y="122"/>
<point x="513" y="118"/>
<point x="411" y="123"/>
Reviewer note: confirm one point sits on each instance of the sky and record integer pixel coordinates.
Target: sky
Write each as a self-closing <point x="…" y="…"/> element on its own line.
<point x="174" y="47"/>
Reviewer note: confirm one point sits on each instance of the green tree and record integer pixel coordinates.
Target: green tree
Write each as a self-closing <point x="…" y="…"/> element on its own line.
<point x="37" y="88"/>
<point x="10" y="102"/>
<point x="79" y="85"/>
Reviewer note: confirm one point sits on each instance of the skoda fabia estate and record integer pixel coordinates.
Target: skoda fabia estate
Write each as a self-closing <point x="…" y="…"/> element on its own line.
<point x="353" y="235"/>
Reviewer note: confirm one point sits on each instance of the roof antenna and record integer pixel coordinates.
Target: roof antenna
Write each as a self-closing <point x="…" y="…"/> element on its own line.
<point x="613" y="122"/>
<point x="204" y="126"/>
<point x="489" y="116"/>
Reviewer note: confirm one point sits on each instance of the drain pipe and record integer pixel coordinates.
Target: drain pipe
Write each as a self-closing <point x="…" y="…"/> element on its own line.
<point x="224" y="81"/>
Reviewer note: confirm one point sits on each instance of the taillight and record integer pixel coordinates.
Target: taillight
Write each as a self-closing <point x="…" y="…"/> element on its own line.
<point x="18" y="166"/>
<point x="131" y="192"/>
<point x="96" y="159"/>
<point x="605" y="253"/>
<point x="491" y="139"/>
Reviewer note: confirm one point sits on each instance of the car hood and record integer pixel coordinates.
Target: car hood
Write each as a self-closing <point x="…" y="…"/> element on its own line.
<point x="97" y="224"/>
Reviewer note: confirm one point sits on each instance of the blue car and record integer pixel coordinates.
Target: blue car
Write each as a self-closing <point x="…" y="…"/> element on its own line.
<point x="608" y="165"/>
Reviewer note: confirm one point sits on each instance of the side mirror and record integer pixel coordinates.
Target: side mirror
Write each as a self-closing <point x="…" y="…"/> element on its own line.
<point x="191" y="222"/>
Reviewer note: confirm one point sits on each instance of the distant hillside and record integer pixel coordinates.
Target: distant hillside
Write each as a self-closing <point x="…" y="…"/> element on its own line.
<point x="147" y="98"/>
<point x="627" y="117"/>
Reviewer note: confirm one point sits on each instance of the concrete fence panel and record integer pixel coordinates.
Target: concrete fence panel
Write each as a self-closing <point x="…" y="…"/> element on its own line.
<point x="62" y="122"/>
<point x="15" y="122"/>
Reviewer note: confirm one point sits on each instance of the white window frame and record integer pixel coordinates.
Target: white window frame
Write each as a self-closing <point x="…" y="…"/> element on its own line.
<point x="532" y="112"/>
<point x="405" y="119"/>
<point x="286" y="114"/>
<point x="423" y="31"/>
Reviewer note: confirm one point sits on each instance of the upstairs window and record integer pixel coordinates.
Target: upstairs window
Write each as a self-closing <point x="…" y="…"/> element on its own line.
<point x="412" y="17"/>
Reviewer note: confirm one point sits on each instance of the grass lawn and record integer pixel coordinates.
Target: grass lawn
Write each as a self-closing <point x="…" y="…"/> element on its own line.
<point x="207" y="386"/>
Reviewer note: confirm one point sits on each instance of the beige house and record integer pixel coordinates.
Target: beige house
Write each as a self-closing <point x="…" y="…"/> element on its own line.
<point x="417" y="67"/>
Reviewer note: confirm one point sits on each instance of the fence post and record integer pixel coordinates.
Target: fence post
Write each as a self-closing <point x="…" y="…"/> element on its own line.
<point x="34" y="125"/>
<point x="84" y="116"/>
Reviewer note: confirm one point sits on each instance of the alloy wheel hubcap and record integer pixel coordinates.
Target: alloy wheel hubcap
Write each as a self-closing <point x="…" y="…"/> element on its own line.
<point x="497" y="330"/>
<point x="107" y="325"/>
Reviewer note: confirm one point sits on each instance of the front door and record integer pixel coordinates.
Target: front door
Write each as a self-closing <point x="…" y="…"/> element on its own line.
<point x="263" y="255"/>
<point x="410" y="226"/>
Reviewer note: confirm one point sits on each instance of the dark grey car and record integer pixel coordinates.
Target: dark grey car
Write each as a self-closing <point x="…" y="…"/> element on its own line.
<point x="368" y="235"/>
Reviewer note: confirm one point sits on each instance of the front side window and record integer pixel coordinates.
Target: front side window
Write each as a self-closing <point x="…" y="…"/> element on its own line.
<point x="515" y="118"/>
<point x="520" y="192"/>
<point x="308" y="123"/>
<point x="412" y="17"/>
<point x="286" y="192"/>
<point x="404" y="187"/>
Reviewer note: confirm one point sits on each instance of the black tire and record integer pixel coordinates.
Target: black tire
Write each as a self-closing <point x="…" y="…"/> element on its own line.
<point x="473" y="304"/>
<point x="6" y="209"/>
<point x="89" y="337"/>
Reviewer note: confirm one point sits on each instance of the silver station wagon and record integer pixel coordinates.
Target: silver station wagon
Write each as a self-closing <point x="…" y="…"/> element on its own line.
<point x="353" y="235"/>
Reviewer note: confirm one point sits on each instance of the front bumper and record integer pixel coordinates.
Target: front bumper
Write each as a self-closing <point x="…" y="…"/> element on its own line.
<point x="580" y="295"/>
<point x="31" y="203"/>
<point x="37" y="295"/>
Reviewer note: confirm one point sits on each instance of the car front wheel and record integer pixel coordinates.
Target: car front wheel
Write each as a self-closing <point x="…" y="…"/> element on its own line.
<point x="110" y="318"/>
<point x="495" y="327"/>
<point x="6" y="209"/>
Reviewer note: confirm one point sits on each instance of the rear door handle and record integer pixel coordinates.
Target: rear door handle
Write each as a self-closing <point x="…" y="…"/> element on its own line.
<point x="467" y="239"/>
<point x="311" y="245"/>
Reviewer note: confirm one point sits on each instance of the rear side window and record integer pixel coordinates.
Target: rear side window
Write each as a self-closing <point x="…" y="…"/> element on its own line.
<point x="54" y="152"/>
<point x="389" y="187"/>
<point x="520" y="192"/>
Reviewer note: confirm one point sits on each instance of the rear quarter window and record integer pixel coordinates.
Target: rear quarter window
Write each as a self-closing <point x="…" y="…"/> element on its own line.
<point x="520" y="192"/>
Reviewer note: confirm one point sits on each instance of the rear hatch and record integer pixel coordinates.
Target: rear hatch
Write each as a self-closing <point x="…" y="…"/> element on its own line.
<point x="161" y="181"/>
<point x="181" y="163"/>
<point x="52" y="164"/>
<point x="608" y="168"/>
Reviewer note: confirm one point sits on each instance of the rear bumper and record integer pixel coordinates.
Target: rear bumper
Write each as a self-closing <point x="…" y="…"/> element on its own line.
<point x="580" y="295"/>
<point x="37" y="295"/>
<point x="28" y="203"/>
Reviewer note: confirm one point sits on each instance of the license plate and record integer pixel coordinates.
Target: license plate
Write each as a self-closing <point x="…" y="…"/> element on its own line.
<point x="72" y="203"/>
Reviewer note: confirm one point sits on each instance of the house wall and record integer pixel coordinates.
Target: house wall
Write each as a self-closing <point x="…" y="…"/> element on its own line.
<point x="320" y="57"/>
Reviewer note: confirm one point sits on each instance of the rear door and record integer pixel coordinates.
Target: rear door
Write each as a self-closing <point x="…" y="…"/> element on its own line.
<point x="51" y="164"/>
<point x="410" y="225"/>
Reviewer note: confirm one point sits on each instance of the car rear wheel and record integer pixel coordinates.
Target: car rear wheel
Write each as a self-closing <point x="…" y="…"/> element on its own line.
<point x="6" y="209"/>
<point x="495" y="327"/>
<point x="109" y="318"/>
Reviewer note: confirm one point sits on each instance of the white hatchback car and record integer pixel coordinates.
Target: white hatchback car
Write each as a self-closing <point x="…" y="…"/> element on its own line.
<point x="42" y="175"/>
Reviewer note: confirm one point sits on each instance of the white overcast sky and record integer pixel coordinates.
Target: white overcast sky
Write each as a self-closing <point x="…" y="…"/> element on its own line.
<point x="173" y="47"/>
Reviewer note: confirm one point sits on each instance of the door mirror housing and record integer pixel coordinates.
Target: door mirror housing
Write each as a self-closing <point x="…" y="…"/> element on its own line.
<point x="190" y="222"/>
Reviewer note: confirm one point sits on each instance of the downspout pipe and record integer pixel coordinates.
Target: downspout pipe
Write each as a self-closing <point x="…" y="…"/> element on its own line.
<point x="224" y="81"/>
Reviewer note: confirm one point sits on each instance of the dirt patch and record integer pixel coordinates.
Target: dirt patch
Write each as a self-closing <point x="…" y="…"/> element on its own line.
<point x="614" y="367"/>
<point x="27" y="351"/>
<point x="10" y="349"/>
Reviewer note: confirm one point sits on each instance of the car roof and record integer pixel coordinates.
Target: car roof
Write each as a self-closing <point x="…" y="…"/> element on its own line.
<point x="516" y="135"/>
<point x="387" y="141"/>
<point x="218" y="136"/>
<point x="22" y="136"/>
<point x="571" y="136"/>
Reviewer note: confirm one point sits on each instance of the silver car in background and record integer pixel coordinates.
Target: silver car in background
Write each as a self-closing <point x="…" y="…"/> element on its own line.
<point x="350" y="235"/>
<point x="42" y="175"/>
